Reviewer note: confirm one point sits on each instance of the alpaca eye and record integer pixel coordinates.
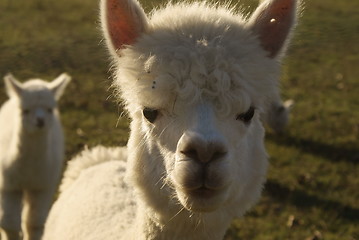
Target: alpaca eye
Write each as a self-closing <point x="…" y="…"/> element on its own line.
<point x="49" y="110"/>
<point x="247" y="116"/>
<point x="150" y="114"/>
<point x="25" y="111"/>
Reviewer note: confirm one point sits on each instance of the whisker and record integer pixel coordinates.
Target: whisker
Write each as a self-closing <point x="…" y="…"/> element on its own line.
<point x="177" y="214"/>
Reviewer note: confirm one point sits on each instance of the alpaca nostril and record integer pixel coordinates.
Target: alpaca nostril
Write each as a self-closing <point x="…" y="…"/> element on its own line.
<point x="40" y="122"/>
<point x="191" y="153"/>
<point x="219" y="154"/>
<point x="216" y="152"/>
<point x="201" y="148"/>
<point x="204" y="152"/>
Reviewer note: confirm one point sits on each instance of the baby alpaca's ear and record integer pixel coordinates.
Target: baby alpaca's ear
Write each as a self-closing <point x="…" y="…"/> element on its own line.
<point x="273" y="22"/>
<point x="58" y="85"/>
<point x="122" y="22"/>
<point x="13" y="87"/>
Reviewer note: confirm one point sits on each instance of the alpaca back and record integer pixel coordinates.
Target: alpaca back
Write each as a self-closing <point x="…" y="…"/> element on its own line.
<point x="89" y="158"/>
<point x="100" y="170"/>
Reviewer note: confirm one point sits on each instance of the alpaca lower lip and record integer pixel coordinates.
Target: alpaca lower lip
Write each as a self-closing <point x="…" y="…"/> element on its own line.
<point x="203" y="192"/>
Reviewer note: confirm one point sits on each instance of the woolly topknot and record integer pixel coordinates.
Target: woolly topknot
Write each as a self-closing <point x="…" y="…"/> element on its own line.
<point x="202" y="52"/>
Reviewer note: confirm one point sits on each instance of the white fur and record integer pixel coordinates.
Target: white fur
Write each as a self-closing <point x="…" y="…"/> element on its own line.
<point x="198" y="164"/>
<point x="31" y="155"/>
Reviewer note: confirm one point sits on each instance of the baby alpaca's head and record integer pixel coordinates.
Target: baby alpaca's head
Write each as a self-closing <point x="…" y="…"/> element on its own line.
<point x="36" y="100"/>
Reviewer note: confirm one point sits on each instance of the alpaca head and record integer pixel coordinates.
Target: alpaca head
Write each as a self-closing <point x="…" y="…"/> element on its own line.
<point x="194" y="78"/>
<point x="37" y="100"/>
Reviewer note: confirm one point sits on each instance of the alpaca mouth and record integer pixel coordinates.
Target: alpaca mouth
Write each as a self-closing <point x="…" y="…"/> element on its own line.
<point x="203" y="192"/>
<point x="202" y="199"/>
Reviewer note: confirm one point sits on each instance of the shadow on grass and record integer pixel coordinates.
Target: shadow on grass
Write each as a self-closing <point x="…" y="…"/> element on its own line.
<point x="301" y="199"/>
<point x="335" y="153"/>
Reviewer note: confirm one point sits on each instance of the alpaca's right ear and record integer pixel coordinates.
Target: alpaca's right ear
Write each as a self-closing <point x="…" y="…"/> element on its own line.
<point x="13" y="87"/>
<point x="122" y="22"/>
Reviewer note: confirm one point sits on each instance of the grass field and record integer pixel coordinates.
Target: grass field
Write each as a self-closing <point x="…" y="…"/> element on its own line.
<point x="313" y="184"/>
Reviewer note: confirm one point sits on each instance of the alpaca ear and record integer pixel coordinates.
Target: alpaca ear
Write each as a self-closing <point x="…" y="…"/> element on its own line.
<point x="58" y="85"/>
<point x="272" y="22"/>
<point x="122" y="22"/>
<point x="13" y="87"/>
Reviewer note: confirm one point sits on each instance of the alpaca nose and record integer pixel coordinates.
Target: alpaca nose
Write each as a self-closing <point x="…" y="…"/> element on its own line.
<point x="196" y="147"/>
<point x="40" y="122"/>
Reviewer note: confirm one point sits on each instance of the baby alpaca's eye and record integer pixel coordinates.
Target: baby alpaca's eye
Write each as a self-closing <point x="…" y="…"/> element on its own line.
<point x="150" y="114"/>
<point x="25" y="111"/>
<point x="49" y="110"/>
<point x="246" y="117"/>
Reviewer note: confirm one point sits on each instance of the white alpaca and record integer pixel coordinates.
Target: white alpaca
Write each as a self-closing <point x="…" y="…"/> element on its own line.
<point x="277" y="115"/>
<point x="31" y="155"/>
<point x="194" y="78"/>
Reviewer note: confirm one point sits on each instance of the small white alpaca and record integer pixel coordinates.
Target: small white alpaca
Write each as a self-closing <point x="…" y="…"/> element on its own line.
<point x="277" y="115"/>
<point x="31" y="155"/>
<point x="194" y="78"/>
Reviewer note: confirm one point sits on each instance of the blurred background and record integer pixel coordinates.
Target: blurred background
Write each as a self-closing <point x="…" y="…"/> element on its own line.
<point x="312" y="190"/>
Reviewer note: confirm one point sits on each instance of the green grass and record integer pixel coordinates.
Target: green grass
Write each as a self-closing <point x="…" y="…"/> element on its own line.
<point x="313" y="184"/>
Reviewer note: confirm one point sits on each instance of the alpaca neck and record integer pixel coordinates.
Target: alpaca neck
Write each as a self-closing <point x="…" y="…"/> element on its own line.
<point x="158" y="215"/>
<point x="182" y="225"/>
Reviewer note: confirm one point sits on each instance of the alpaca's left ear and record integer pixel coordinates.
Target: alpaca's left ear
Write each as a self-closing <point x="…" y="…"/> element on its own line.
<point x="122" y="21"/>
<point x="13" y="87"/>
<point x="273" y="22"/>
<point x="58" y="85"/>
